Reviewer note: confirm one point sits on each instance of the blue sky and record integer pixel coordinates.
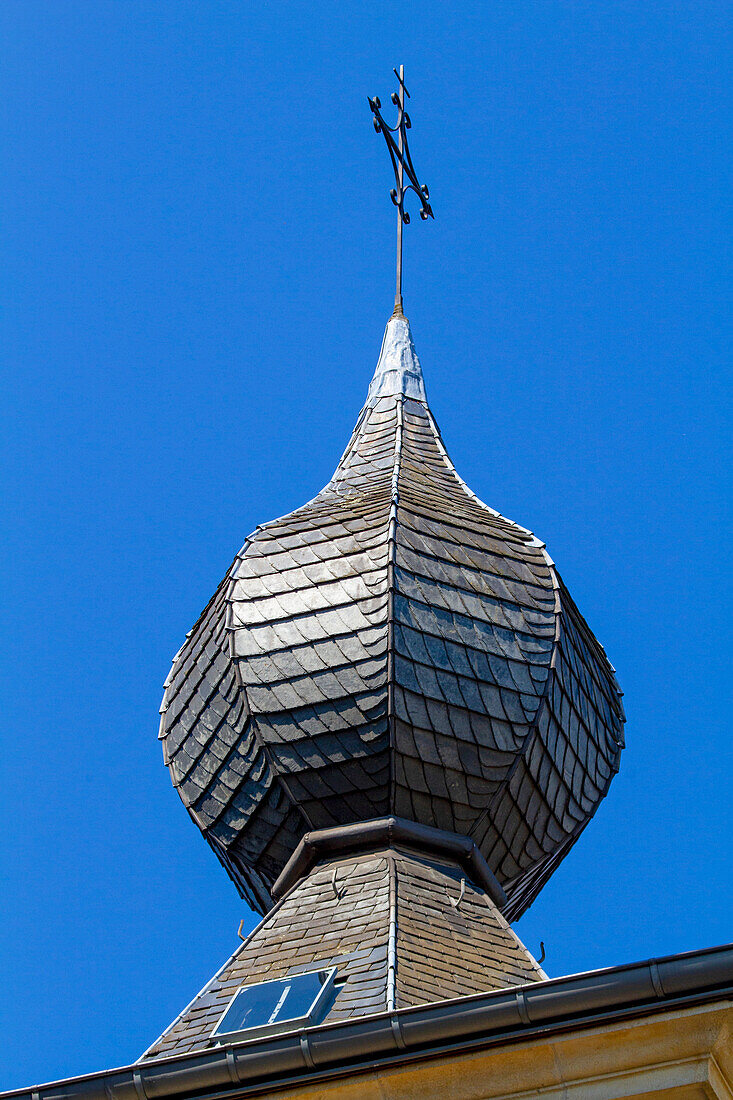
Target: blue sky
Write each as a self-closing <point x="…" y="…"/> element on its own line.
<point x="197" y="268"/>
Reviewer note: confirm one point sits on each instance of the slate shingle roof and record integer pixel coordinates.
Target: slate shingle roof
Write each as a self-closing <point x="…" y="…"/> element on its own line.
<point x="392" y="647"/>
<point x="346" y="913"/>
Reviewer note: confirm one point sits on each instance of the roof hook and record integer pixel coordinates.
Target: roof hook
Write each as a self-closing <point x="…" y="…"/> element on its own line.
<point x="455" y="902"/>
<point x="542" y="956"/>
<point x="338" y="890"/>
<point x="239" y="931"/>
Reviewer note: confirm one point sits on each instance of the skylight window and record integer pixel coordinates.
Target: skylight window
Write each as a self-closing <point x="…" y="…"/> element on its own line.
<point x="280" y="1005"/>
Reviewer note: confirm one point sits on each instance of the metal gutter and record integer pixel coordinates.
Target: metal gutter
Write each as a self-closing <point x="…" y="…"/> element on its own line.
<point x="388" y="831"/>
<point x="410" y="1034"/>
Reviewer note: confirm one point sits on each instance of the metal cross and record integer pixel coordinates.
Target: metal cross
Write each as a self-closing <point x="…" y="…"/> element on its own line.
<point x="399" y="152"/>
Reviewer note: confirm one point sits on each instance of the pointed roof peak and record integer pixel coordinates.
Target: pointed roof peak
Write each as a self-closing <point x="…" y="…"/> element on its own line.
<point x="398" y="370"/>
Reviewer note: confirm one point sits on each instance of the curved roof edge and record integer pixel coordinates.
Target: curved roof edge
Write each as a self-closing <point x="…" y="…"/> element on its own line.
<point x="388" y="830"/>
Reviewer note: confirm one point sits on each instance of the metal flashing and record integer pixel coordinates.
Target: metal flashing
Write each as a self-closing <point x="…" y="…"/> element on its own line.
<point x="398" y="370"/>
<point x="388" y="831"/>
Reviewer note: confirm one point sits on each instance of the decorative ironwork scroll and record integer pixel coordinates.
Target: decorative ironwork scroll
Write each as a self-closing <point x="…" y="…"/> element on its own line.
<point x="399" y="152"/>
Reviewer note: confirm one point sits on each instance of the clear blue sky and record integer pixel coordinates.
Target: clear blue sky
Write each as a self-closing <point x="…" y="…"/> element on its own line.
<point x="197" y="245"/>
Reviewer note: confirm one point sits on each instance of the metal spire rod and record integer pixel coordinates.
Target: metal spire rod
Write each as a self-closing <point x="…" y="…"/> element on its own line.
<point x="399" y="152"/>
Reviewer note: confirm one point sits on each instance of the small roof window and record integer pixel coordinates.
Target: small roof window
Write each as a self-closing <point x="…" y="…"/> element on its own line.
<point x="280" y="1005"/>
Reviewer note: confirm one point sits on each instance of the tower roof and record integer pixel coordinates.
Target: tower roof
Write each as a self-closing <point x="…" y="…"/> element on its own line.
<point x="392" y="647"/>
<point x="403" y="926"/>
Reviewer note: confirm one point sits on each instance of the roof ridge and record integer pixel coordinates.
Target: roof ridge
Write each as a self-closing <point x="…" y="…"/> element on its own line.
<point x="391" y="559"/>
<point x="465" y="942"/>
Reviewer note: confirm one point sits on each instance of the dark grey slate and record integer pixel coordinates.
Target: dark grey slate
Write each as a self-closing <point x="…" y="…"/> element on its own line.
<point x="392" y="647"/>
<point x="395" y="926"/>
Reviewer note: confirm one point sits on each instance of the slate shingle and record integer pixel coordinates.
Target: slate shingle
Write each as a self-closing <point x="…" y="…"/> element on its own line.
<point x="358" y="645"/>
<point x="341" y="915"/>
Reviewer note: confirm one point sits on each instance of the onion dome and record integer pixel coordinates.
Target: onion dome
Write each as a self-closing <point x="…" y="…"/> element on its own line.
<point x="393" y="647"/>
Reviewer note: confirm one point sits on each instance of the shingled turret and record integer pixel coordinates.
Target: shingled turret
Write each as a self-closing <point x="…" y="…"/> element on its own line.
<point x="393" y="647"/>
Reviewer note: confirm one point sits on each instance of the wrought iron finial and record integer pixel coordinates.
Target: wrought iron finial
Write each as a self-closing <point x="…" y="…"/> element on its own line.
<point x="399" y="152"/>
